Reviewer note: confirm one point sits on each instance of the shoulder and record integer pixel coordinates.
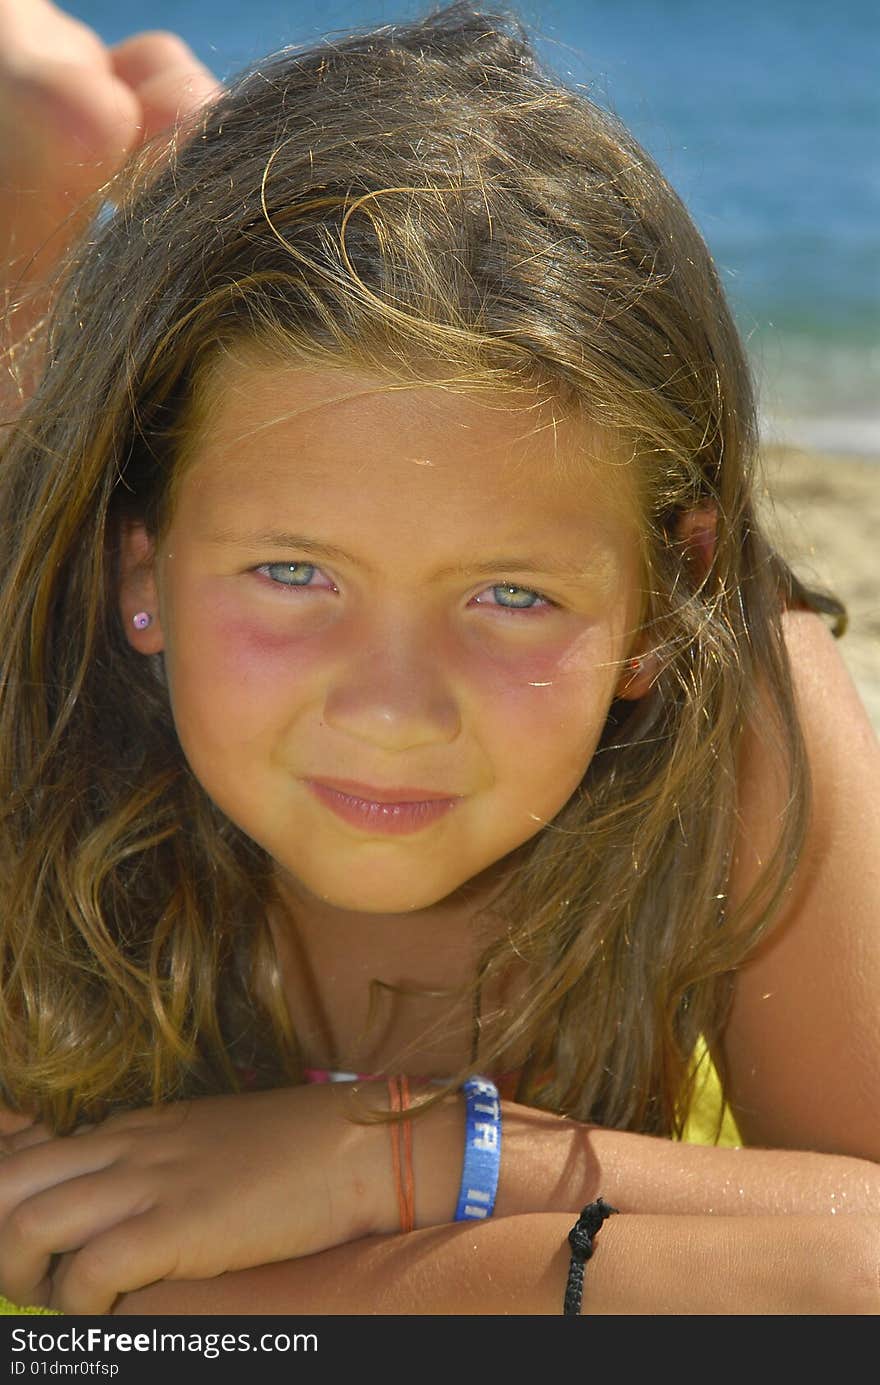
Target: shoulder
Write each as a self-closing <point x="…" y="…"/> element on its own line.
<point x="802" y="1047"/>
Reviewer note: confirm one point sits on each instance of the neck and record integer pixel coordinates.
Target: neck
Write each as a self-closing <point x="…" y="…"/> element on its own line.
<point x="385" y="992"/>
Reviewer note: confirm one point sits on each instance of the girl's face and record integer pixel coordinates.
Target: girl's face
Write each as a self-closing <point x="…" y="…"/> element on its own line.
<point x="392" y="623"/>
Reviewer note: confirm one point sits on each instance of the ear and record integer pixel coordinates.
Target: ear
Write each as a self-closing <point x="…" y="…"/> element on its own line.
<point x="639" y="672"/>
<point x="138" y="590"/>
<point x="697" y="532"/>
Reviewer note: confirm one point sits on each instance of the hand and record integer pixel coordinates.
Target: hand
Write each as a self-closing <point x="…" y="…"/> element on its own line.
<point x="187" y="1191"/>
<point x="71" y="110"/>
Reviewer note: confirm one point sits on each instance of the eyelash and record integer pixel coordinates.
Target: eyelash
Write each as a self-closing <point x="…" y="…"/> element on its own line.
<point x="541" y="603"/>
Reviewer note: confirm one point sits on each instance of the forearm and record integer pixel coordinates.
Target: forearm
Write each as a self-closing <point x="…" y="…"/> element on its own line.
<point x="641" y="1173"/>
<point x="518" y="1265"/>
<point x="46" y="201"/>
<point x="36" y="234"/>
<point x="71" y="112"/>
<point x="21" y="354"/>
<point x="551" y="1164"/>
<point x="237" y="1182"/>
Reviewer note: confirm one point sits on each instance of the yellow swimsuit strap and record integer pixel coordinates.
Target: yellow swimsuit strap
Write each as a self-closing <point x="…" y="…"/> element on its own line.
<point x="710" y="1121"/>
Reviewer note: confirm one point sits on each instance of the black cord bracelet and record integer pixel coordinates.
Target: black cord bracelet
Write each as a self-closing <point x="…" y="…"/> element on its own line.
<point x="580" y="1238"/>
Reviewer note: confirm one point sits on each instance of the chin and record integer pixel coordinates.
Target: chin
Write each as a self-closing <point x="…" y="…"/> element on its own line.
<point x="375" y="887"/>
<point x="380" y="901"/>
<point x="377" y="884"/>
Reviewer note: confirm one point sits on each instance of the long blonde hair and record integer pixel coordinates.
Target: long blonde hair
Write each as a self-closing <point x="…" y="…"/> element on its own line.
<point x="419" y="198"/>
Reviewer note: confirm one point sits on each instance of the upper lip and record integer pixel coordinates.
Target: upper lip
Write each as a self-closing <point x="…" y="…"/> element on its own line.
<point x="372" y="794"/>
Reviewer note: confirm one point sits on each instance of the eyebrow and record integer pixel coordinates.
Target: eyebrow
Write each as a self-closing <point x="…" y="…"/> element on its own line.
<point x="507" y="563"/>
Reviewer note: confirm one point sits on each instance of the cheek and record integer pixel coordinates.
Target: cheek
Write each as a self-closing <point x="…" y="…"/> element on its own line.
<point x="533" y="700"/>
<point x="251" y="656"/>
<point x="547" y="705"/>
<point x="228" y="673"/>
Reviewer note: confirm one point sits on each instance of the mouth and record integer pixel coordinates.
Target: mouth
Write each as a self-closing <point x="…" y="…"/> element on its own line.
<point x="392" y="812"/>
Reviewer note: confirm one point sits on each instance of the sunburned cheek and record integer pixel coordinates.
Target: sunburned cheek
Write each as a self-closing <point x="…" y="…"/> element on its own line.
<point x="252" y="657"/>
<point x="255" y="645"/>
<point x="578" y="670"/>
<point x="559" y="693"/>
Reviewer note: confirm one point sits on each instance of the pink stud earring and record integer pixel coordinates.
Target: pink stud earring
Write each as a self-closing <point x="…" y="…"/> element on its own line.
<point x="142" y="620"/>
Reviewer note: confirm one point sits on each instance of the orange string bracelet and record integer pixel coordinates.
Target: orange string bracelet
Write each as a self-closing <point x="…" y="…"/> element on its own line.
<point x="409" y="1189"/>
<point x="401" y="1152"/>
<point x="394" y="1131"/>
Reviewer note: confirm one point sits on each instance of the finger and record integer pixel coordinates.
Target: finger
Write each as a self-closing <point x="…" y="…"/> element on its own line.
<point x="137" y="1252"/>
<point x="38" y="1297"/>
<point x="29" y="29"/>
<point x="75" y="117"/>
<point x="28" y="1171"/>
<point x="167" y="78"/>
<point x="60" y="1219"/>
<point x="171" y="97"/>
<point x="25" y="1139"/>
<point x="13" y="1121"/>
<point x="142" y="57"/>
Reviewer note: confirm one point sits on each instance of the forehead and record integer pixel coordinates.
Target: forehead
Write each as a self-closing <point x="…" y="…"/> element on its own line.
<point x="264" y="432"/>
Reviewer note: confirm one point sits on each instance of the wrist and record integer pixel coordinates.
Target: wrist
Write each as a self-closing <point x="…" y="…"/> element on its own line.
<point x="459" y="1152"/>
<point x="437" y="1145"/>
<point x="372" y="1206"/>
<point x="548" y="1163"/>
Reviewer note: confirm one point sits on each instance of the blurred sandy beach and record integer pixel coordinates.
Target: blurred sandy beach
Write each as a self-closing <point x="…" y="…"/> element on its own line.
<point x="824" y="514"/>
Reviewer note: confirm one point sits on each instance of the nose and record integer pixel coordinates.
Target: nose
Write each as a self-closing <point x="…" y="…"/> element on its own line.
<point x="392" y="692"/>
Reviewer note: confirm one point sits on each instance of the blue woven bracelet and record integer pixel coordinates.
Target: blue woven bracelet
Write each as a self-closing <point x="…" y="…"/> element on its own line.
<point x="482" y="1150"/>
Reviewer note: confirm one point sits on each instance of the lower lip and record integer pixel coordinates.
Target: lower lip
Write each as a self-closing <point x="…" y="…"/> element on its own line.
<point x="391" y="819"/>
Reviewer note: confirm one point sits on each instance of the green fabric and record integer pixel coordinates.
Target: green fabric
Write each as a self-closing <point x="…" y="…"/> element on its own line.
<point x="710" y="1120"/>
<point x="12" y="1308"/>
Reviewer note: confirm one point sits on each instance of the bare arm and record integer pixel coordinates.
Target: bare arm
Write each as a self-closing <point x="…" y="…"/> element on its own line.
<point x="71" y="110"/>
<point x="518" y="1265"/>
<point x="803" y="1043"/>
<point x="217" y="1186"/>
<point x="549" y="1164"/>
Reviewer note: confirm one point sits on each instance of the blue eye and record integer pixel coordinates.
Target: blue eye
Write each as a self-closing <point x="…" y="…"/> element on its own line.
<point x="509" y="597"/>
<point x="506" y="596"/>
<point x="293" y="575"/>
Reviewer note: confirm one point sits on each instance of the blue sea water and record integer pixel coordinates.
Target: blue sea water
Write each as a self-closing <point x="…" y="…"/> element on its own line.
<point x="764" y="114"/>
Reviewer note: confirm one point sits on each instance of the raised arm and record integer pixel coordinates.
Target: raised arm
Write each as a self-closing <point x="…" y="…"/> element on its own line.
<point x="71" y="110"/>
